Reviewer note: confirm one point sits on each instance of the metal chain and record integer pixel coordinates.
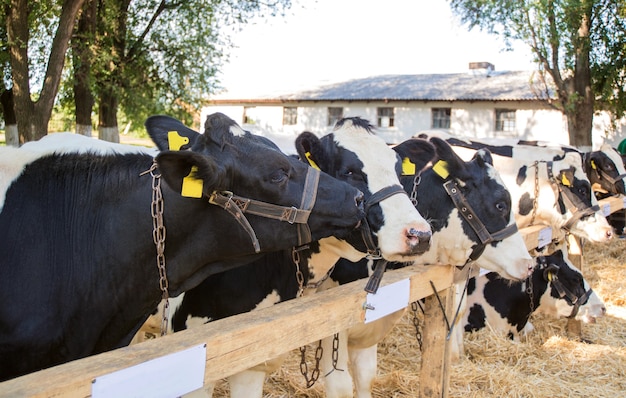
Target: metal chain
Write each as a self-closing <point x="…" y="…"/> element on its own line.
<point x="304" y="369"/>
<point x="417" y="323"/>
<point x="416" y="182"/>
<point x="536" y="199"/>
<point x="529" y="291"/>
<point x="295" y="257"/>
<point x="158" y="236"/>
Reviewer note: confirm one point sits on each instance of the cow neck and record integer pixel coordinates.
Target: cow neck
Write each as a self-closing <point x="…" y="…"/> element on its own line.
<point x="571" y="202"/>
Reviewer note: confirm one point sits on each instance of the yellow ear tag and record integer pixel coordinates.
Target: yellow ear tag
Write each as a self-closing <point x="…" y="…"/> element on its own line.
<point x="593" y="165"/>
<point x="192" y="187"/>
<point x="550" y="274"/>
<point x="311" y="162"/>
<point x="176" y="141"/>
<point x="565" y="181"/>
<point x="441" y="169"/>
<point x="408" y="167"/>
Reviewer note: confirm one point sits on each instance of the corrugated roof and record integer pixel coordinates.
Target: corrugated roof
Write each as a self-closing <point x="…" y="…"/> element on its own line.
<point x="495" y="86"/>
<point x="435" y="87"/>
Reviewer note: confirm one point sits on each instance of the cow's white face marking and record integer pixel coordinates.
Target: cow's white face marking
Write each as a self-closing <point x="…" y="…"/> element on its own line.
<point x="14" y="160"/>
<point x="237" y="131"/>
<point x="379" y="163"/>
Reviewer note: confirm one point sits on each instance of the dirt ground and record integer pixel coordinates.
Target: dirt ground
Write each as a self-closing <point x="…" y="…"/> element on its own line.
<point x="546" y="364"/>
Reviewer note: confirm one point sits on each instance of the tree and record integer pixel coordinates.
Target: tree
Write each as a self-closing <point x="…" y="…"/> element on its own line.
<point x="579" y="48"/>
<point x="147" y="56"/>
<point x="32" y="116"/>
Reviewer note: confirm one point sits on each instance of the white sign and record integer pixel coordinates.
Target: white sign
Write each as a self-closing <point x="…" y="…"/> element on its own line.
<point x="169" y="376"/>
<point x="545" y="237"/>
<point x="388" y="299"/>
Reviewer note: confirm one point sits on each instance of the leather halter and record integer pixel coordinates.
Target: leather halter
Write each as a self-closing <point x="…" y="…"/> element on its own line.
<point x="237" y="206"/>
<point x="564" y="293"/>
<point x="372" y="249"/>
<point x="603" y="175"/>
<point x="578" y="209"/>
<point x="466" y="211"/>
<point x="366" y="232"/>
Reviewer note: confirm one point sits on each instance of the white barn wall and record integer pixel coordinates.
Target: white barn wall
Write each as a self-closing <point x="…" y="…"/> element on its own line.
<point x="472" y="119"/>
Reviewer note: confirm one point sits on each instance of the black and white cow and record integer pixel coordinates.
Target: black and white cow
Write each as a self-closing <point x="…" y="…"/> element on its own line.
<point x="548" y="186"/>
<point x="555" y="288"/>
<point x="351" y="153"/>
<point x="604" y="167"/>
<point x="454" y="241"/>
<point x="77" y="235"/>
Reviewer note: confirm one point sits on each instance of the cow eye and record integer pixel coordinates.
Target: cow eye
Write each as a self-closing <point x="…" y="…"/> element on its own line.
<point x="279" y="176"/>
<point x="501" y="206"/>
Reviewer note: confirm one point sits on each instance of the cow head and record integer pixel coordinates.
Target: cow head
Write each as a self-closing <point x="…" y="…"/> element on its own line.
<point x="605" y="170"/>
<point x="352" y="153"/>
<point x="567" y="294"/>
<point x="455" y="238"/>
<point x="226" y="162"/>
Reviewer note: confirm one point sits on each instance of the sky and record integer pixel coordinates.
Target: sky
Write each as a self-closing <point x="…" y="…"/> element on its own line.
<point x="324" y="41"/>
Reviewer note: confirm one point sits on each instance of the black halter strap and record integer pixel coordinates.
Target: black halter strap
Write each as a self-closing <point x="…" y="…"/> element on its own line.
<point x="572" y="202"/>
<point x="466" y="211"/>
<point x="237" y="206"/>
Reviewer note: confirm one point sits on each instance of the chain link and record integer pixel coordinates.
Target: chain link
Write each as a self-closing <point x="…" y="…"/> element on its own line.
<point x="417" y="323"/>
<point x="416" y="182"/>
<point x="158" y="236"/>
<point x="304" y="369"/>
<point x="536" y="198"/>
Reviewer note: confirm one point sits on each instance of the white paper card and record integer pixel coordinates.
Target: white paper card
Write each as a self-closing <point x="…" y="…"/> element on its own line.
<point x="169" y="376"/>
<point x="545" y="237"/>
<point x="388" y="299"/>
<point x="606" y="209"/>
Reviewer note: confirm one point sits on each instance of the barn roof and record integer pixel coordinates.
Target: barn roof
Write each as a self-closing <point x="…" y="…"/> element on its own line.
<point x="492" y="86"/>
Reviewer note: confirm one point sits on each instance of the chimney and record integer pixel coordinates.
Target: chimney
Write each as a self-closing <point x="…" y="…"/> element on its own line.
<point x="481" y="68"/>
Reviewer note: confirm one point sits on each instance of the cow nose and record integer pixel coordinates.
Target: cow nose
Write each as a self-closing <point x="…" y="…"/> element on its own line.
<point x="419" y="241"/>
<point x="609" y="234"/>
<point x="360" y="201"/>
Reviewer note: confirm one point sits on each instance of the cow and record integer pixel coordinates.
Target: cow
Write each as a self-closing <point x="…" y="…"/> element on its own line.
<point x="555" y="288"/>
<point x="85" y="257"/>
<point x="455" y="242"/>
<point x="548" y="186"/>
<point x="351" y="153"/>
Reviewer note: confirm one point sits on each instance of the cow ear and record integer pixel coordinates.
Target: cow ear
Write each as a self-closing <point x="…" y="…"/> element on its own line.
<point x="309" y="149"/>
<point x="453" y="163"/>
<point x="170" y="134"/>
<point x="482" y="157"/>
<point x="415" y="153"/>
<point x="550" y="272"/>
<point x="566" y="178"/>
<point x="189" y="173"/>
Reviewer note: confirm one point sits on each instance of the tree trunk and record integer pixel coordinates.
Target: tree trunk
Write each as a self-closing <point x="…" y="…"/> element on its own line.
<point x="107" y="126"/>
<point x="11" y="136"/>
<point x="580" y="118"/>
<point x="82" y="60"/>
<point x="33" y="117"/>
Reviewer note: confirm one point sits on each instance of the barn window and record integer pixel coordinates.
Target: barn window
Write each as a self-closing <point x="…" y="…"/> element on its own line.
<point x="441" y="118"/>
<point x="334" y="115"/>
<point x="505" y="120"/>
<point x="290" y="115"/>
<point x="249" y="115"/>
<point x="385" y="117"/>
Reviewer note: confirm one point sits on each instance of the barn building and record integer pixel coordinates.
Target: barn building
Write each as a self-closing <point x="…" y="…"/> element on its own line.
<point x="479" y="103"/>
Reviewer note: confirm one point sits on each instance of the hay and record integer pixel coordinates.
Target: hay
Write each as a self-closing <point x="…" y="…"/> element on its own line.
<point x="546" y="364"/>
